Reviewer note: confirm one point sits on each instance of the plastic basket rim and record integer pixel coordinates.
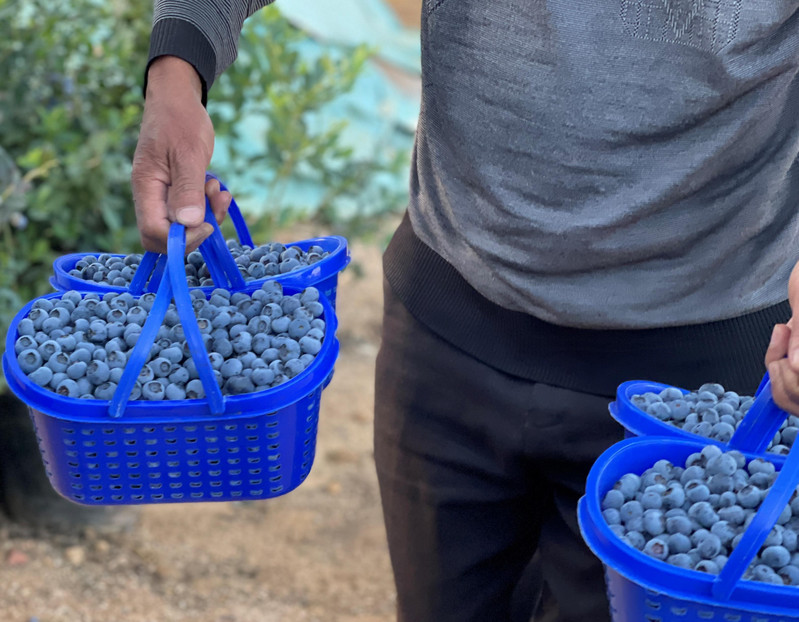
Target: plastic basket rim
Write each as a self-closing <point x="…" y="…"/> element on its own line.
<point x="640" y="423"/>
<point x="335" y="262"/>
<point x="239" y="406"/>
<point x="602" y="541"/>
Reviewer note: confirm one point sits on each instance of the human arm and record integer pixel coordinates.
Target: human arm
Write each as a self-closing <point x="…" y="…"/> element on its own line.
<point x="192" y="43"/>
<point x="782" y="356"/>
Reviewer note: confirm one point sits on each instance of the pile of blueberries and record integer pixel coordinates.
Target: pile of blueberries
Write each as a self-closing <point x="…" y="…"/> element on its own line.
<point x="711" y="412"/>
<point x="261" y="262"/>
<point x="78" y="345"/>
<point x="694" y="516"/>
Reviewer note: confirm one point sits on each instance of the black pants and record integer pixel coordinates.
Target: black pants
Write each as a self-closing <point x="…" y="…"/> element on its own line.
<point x="478" y="470"/>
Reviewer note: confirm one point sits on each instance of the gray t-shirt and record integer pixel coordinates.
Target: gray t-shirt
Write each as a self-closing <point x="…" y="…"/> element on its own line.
<point x="612" y="163"/>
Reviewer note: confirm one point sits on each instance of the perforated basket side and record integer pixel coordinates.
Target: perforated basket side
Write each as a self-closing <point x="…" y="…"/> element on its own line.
<point x="114" y="462"/>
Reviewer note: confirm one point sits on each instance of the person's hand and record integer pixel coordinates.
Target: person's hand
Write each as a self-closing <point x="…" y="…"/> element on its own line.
<point x="782" y="356"/>
<point x="174" y="150"/>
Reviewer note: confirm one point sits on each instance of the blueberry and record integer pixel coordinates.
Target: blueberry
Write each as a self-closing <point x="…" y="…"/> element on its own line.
<point x="654" y="522"/>
<point x="316" y="308"/>
<point x="231" y="367"/>
<point x="222" y="347"/>
<point x="195" y="390"/>
<point x="681" y="560"/>
<point x="272" y="311"/>
<point x="775" y="556"/>
<point x="657" y="548"/>
<point x="294" y="367"/>
<point x="26" y="342"/>
<point x="59" y="362"/>
<point x="703" y="513"/>
<point x="68" y="388"/>
<point x="43" y="375"/>
<point x="175" y="391"/>
<point x="789" y="575"/>
<point x="310" y="294"/>
<point x="288" y="350"/>
<point x="216" y="360"/>
<point x="180" y="377"/>
<point x="105" y="391"/>
<point x="29" y="360"/>
<point x="759" y="465"/>
<point x="76" y="370"/>
<point x="263" y="376"/>
<point x="696" y="491"/>
<point x="651" y="501"/>
<point x="678" y="543"/>
<point x="678" y="524"/>
<point x="98" y="372"/>
<point x="614" y="498"/>
<point x="172" y="354"/>
<point x="281" y="324"/>
<point x="153" y="391"/>
<point x="674" y="496"/>
<point x="116" y="358"/>
<point x="161" y="367"/>
<point x="270" y="355"/>
<point x="749" y="497"/>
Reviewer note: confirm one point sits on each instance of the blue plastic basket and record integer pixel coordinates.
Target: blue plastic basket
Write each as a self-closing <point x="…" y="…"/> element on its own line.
<point x="220" y="448"/>
<point x="323" y="275"/>
<point x="637" y="422"/>
<point x="641" y="588"/>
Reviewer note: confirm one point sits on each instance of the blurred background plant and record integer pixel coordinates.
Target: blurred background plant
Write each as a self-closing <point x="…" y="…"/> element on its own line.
<point x="70" y="107"/>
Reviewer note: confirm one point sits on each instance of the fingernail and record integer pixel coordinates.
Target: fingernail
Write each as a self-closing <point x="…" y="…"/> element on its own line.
<point x="191" y="215"/>
<point x="795" y="359"/>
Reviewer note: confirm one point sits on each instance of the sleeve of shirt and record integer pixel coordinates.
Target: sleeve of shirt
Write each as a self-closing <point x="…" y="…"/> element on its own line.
<point x="204" y="33"/>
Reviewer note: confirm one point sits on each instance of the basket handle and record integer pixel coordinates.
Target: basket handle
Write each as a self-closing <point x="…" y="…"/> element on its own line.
<point x="175" y="282"/>
<point x="778" y="497"/>
<point x="221" y="265"/>
<point x="761" y="423"/>
<point x="239" y="224"/>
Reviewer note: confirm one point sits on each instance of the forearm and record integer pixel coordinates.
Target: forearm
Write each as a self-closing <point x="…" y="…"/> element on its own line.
<point x="204" y="33"/>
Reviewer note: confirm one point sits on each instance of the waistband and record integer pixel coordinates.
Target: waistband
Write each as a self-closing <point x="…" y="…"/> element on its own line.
<point x="595" y="361"/>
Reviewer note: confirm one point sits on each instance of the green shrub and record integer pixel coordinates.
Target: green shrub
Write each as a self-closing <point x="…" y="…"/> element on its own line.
<point x="70" y="108"/>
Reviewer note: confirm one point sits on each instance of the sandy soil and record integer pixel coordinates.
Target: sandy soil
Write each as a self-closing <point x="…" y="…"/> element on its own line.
<point x="316" y="554"/>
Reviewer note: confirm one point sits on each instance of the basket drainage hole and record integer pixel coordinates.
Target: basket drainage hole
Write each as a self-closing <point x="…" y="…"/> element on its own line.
<point x="650" y="618"/>
<point x="176" y="495"/>
<point x="137" y="497"/>
<point x="235" y="493"/>
<point x="117" y="497"/>
<point x="706" y="615"/>
<point x="158" y="497"/>
<point x="234" y="472"/>
<point x="79" y="497"/>
<point x="196" y="484"/>
<point x="732" y="617"/>
<point x="679" y="611"/>
<point x="276" y="489"/>
<point x="216" y="494"/>
<point x="652" y="604"/>
<point x="197" y="495"/>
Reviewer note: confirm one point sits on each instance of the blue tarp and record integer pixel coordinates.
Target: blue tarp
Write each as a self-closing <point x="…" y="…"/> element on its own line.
<point x="381" y="109"/>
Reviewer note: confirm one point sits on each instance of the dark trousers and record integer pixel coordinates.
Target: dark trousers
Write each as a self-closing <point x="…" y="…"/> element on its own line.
<point x="477" y="470"/>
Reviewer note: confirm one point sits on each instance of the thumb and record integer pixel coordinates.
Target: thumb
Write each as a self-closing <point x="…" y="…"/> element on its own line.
<point x="186" y="202"/>
<point x="793" y="299"/>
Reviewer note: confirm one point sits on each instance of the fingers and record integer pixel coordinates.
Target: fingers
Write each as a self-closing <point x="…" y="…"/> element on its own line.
<point x="778" y="347"/>
<point x="784" y="386"/>
<point x="186" y="203"/>
<point x="219" y="199"/>
<point x="150" y="184"/>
